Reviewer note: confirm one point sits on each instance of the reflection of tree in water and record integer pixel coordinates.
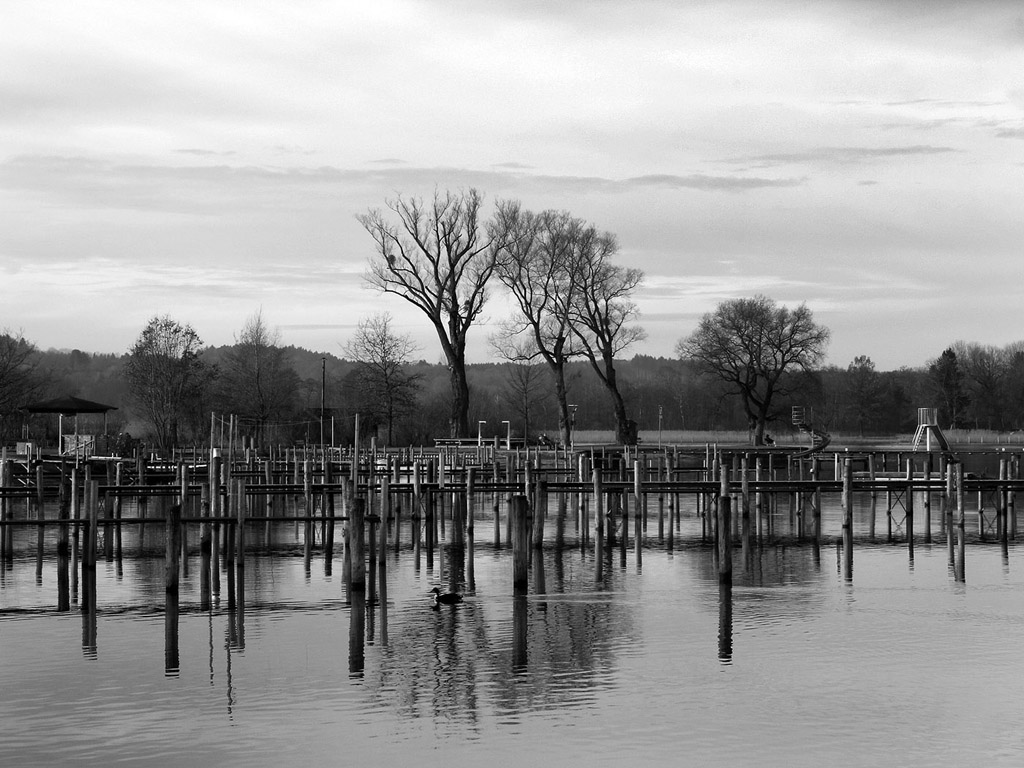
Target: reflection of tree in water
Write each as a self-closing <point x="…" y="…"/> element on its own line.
<point x="461" y="663"/>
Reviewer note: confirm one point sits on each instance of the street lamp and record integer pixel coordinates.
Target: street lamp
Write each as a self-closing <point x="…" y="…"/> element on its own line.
<point x="480" y="433"/>
<point x="508" y="434"/>
<point x="323" y="396"/>
<point x="572" y="424"/>
<point x="659" y="426"/>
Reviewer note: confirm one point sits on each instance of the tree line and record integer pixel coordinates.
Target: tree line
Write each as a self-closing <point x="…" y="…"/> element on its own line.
<point x="563" y="351"/>
<point x="671" y="393"/>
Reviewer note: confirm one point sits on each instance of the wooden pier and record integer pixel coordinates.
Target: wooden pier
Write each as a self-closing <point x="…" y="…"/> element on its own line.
<point x="426" y="499"/>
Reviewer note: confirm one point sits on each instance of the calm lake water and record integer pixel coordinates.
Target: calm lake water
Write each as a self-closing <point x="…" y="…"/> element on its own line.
<point x="653" y="665"/>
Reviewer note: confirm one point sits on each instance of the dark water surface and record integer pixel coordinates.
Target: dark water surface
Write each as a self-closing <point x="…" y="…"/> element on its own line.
<point x="653" y="665"/>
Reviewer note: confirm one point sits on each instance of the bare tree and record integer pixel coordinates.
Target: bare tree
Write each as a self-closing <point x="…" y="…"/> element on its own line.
<point x="602" y="316"/>
<point x="383" y="356"/>
<point x="258" y="381"/>
<point x="439" y="257"/>
<point x="985" y="370"/>
<point x="537" y="268"/>
<point x="166" y="377"/>
<point x="751" y="344"/>
<point x="20" y="380"/>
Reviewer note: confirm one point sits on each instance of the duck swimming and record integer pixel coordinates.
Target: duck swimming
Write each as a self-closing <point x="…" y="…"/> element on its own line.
<point x="445" y="598"/>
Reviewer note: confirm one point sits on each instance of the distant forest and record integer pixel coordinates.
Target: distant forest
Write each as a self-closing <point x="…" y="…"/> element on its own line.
<point x="964" y="383"/>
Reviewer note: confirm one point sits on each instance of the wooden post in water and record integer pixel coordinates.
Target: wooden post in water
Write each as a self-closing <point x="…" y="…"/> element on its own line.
<point x="205" y="547"/>
<point x="1001" y="525"/>
<point x="417" y="510"/>
<point x="519" y="511"/>
<point x="910" y="506"/>
<point x="947" y="512"/>
<point x="848" y="520"/>
<point x="240" y="528"/>
<point x="928" y="501"/>
<point x="92" y="534"/>
<point x="540" y="502"/>
<point x="639" y="503"/>
<point x="63" y="546"/>
<point x="961" y="531"/>
<point x="745" y="513"/>
<point x="185" y="510"/>
<point x="874" y="495"/>
<point x="173" y="548"/>
<point x="724" y="539"/>
<point x="5" y="529"/>
<point x="307" y="495"/>
<point x="357" y="541"/>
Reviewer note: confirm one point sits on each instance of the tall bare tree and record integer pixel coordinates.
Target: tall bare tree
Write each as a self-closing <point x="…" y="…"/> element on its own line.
<point x="258" y="382"/>
<point x="388" y="389"/>
<point x="750" y="344"/>
<point x="166" y="377"/>
<point x="602" y="316"/>
<point x="537" y="269"/>
<point x="438" y="256"/>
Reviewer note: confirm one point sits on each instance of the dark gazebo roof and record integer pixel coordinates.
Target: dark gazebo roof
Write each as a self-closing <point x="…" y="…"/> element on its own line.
<point x="69" y="406"/>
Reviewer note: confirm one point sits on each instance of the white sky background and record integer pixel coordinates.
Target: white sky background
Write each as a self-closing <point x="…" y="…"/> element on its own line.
<point x="208" y="159"/>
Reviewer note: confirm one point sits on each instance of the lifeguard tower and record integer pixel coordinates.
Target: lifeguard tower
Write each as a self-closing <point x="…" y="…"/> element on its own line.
<point x="927" y="426"/>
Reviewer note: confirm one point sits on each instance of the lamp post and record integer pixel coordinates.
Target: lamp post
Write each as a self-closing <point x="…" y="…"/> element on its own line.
<point x="508" y="434"/>
<point x="659" y="426"/>
<point x="480" y="432"/>
<point x="572" y="425"/>
<point x="323" y="394"/>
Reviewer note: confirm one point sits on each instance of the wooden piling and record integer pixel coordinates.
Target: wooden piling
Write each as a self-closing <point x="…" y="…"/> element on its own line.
<point x="519" y="511"/>
<point x="961" y="531"/>
<point x="173" y="548"/>
<point x="357" y="541"/>
<point x="848" y="520"/>
<point x="724" y="540"/>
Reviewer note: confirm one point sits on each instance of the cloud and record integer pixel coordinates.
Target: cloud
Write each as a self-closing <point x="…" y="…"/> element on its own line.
<point x="204" y="152"/>
<point x="1011" y="133"/>
<point x="842" y="155"/>
<point x="711" y="183"/>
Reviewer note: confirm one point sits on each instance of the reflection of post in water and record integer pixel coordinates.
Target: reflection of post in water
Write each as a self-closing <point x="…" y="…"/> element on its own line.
<point x="328" y="520"/>
<point x="357" y="633"/>
<point x="382" y="601"/>
<point x="88" y="607"/>
<point x="539" y="585"/>
<point x="520" y="656"/>
<point x="725" y="622"/>
<point x="171" y="658"/>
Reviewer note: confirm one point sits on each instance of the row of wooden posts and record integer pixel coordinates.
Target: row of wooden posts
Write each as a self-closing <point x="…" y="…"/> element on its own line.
<point x="734" y="493"/>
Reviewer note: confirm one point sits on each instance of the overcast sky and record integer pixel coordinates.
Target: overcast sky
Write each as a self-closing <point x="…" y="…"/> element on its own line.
<point x="208" y="159"/>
